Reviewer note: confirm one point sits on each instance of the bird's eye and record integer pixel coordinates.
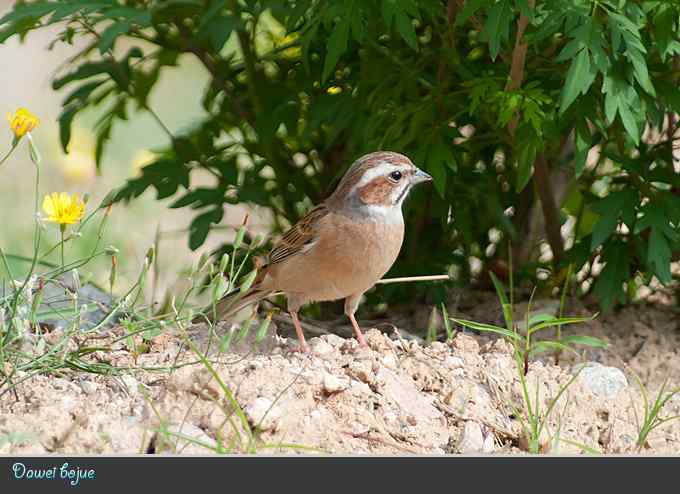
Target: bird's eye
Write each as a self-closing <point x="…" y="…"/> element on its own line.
<point x="396" y="176"/>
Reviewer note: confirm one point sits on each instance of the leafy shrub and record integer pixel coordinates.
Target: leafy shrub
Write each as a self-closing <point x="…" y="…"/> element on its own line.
<point x="501" y="101"/>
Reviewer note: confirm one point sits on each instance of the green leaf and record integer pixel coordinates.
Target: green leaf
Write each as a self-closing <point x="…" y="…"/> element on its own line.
<point x="83" y="92"/>
<point x="659" y="252"/>
<point x="65" y="122"/>
<point x="488" y="328"/>
<point x="439" y="158"/>
<point x="642" y="75"/>
<point x="219" y="30"/>
<point x="200" y="226"/>
<point x="664" y="24"/>
<point x="108" y="38"/>
<point x="629" y="122"/>
<point x="541" y="317"/>
<point x="406" y="30"/>
<point x="558" y="321"/>
<point x="609" y="284"/>
<point x="337" y="45"/>
<point x="84" y="71"/>
<point x="659" y="256"/>
<point x="617" y="204"/>
<point x="582" y="143"/>
<point x="248" y="281"/>
<point x="584" y="340"/>
<point x="505" y="303"/>
<point x="497" y="26"/>
<point x="389" y="8"/>
<point x="548" y="346"/>
<point x="529" y="144"/>
<point x="579" y="79"/>
<point x="469" y="9"/>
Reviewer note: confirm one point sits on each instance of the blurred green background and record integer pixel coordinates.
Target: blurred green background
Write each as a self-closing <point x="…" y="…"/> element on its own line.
<point x="28" y="69"/>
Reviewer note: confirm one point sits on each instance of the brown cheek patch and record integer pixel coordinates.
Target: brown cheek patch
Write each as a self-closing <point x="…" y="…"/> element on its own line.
<point x="377" y="191"/>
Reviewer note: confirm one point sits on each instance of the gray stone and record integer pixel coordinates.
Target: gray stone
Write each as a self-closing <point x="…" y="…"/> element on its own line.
<point x="606" y="382"/>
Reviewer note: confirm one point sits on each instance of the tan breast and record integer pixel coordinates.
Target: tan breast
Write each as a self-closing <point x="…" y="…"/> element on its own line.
<point x="352" y="253"/>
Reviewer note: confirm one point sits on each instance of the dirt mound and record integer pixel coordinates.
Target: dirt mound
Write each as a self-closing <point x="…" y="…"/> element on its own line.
<point x="395" y="397"/>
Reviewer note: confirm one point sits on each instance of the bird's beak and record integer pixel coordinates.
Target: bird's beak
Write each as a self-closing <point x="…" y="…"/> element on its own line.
<point x="420" y="176"/>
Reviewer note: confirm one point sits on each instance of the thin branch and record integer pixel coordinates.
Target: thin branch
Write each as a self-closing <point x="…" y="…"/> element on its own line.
<point x="551" y="215"/>
<point x="541" y="177"/>
<point x="411" y="279"/>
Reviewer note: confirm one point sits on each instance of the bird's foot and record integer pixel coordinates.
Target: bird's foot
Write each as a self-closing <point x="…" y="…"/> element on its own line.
<point x="302" y="348"/>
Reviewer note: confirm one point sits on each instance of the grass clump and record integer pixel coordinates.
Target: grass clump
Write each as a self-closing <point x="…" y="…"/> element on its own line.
<point x="526" y="346"/>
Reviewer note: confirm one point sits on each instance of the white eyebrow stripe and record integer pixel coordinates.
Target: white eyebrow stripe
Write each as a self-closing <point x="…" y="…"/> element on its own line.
<point x="382" y="168"/>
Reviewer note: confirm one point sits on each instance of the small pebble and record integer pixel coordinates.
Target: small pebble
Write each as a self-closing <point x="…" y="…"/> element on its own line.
<point x="263" y="414"/>
<point x="454" y="362"/>
<point x="89" y="387"/>
<point x="333" y="384"/>
<point x="320" y="347"/>
<point x="472" y="439"/>
<point x="131" y="384"/>
<point x="389" y="361"/>
<point x="361" y="371"/>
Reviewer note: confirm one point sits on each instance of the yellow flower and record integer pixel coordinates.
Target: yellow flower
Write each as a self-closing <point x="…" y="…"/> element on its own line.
<point x="22" y="121"/>
<point x="334" y="90"/>
<point x="63" y="208"/>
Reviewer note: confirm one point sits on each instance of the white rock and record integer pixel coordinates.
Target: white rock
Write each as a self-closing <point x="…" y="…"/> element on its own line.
<point x="489" y="444"/>
<point x="603" y="381"/>
<point x="472" y="439"/>
<point x="389" y="361"/>
<point x="262" y="413"/>
<point x="131" y="384"/>
<point x="89" y="387"/>
<point x="657" y="443"/>
<point x="438" y="346"/>
<point x="454" y="362"/>
<point x="359" y="388"/>
<point x="333" y="384"/>
<point x="320" y="347"/>
<point x="334" y="340"/>
<point x="457" y="373"/>
<point x="256" y="364"/>
<point x="361" y="371"/>
<point x="390" y="418"/>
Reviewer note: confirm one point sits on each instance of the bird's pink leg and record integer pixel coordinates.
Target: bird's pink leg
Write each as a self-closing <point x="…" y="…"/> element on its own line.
<point x="357" y="330"/>
<point x="298" y="330"/>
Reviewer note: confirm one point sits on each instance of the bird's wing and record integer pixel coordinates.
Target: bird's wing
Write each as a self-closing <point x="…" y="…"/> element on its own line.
<point x="300" y="238"/>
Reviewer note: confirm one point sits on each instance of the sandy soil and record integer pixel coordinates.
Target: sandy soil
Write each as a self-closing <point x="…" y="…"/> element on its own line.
<point x="397" y="397"/>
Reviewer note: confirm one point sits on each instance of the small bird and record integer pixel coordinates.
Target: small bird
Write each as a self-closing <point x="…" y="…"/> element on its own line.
<point x="342" y="246"/>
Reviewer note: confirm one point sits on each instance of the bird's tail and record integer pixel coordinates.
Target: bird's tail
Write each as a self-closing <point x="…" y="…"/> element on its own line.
<point x="232" y="303"/>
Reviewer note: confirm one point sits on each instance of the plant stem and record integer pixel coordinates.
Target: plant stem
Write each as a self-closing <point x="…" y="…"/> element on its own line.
<point x="9" y="153"/>
<point x="62" y="229"/>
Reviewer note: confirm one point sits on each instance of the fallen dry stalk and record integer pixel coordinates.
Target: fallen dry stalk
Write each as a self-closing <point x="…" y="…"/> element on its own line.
<point x="408" y="279"/>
